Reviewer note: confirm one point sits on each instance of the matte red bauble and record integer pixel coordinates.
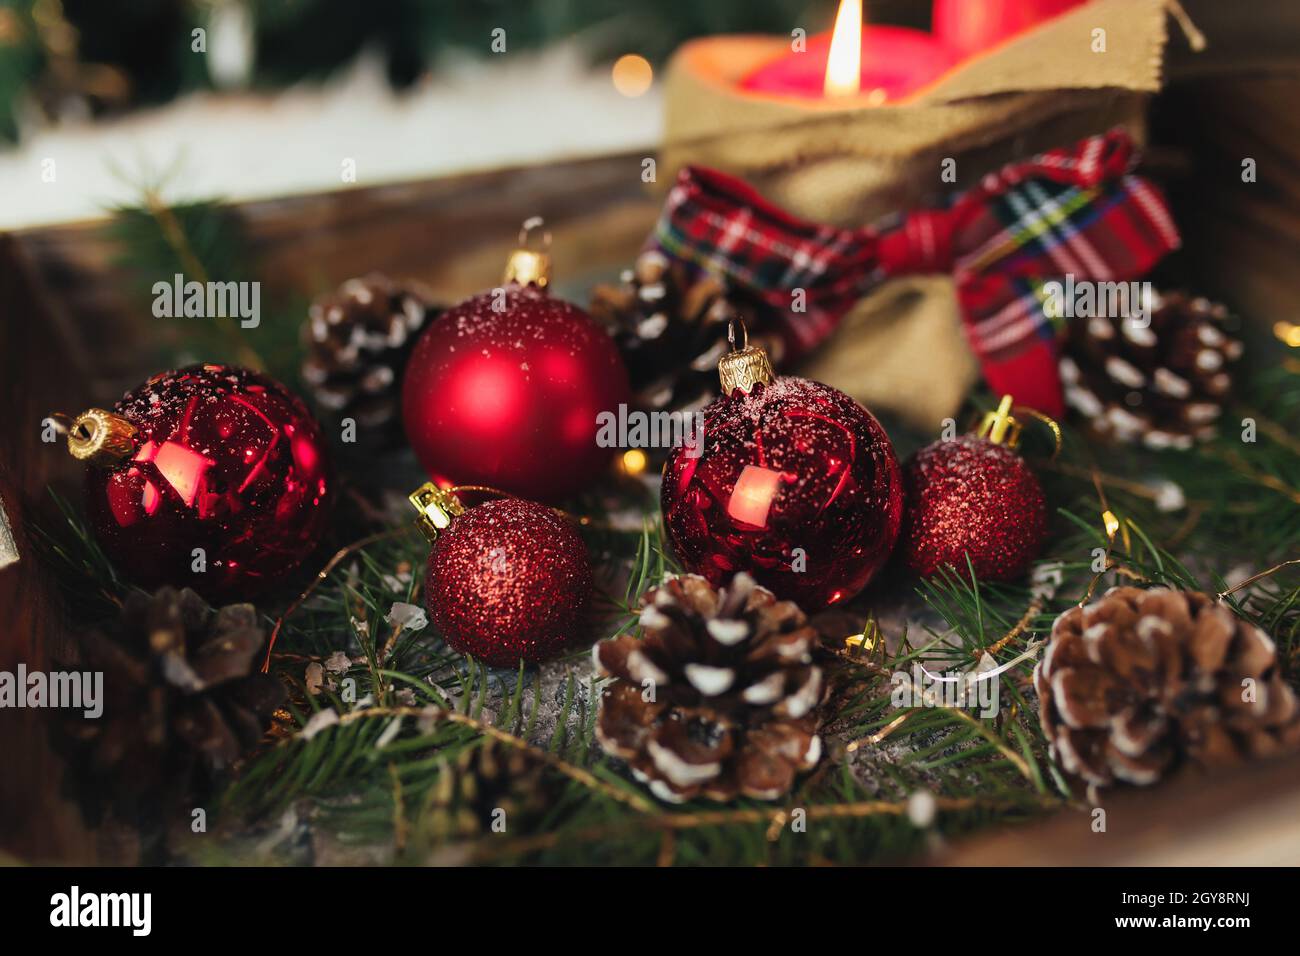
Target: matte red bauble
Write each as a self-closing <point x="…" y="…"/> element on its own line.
<point x="508" y="580"/>
<point x="210" y="477"/>
<point x="504" y="389"/>
<point x="973" y="497"/>
<point x="795" y="483"/>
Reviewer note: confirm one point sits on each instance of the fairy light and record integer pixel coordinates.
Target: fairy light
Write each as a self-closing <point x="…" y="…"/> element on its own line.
<point x="632" y="75"/>
<point x="867" y="639"/>
<point x="634" y="461"/>
<point x="1288" y="332"/>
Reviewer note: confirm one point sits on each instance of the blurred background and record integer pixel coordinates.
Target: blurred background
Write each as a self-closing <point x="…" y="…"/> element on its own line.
<point x="117" y="89"/>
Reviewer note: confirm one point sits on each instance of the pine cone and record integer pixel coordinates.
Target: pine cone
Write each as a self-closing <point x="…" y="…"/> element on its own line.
<point x="358" y="339"/>
<point x="1140" y="681"/>
<point x="670" y="324"/>
<point x="733" y="692"/>
<point x="482" y="780"/>
<point x="1162" y="385"/>
<point x="183" y="700"/>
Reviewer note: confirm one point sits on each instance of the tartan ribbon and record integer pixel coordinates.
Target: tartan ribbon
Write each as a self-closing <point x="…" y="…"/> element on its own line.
<point x="1076" y="211"/>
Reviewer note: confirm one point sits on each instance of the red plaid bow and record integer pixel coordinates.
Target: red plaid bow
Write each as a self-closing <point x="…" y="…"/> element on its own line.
<point x="1076" y="211"/>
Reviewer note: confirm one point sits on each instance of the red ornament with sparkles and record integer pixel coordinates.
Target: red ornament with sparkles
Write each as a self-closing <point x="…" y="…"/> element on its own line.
<point x="504" y="389"/>
<point x="973" y="497"/>
<point x="207" y="457"/>
<point x="508" y="579"/>
<point x="795" y="483"/>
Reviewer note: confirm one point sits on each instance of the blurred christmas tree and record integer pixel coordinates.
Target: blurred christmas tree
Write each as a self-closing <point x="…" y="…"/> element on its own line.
<point x="71" y="58"/>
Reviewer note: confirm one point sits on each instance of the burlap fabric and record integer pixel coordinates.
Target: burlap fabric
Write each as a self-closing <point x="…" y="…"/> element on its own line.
<point x="902" y="348"/>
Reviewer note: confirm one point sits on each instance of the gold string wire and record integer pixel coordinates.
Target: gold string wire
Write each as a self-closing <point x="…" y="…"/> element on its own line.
<point x="574" y="772"/>
<point x="1052" y="424"/>
<point x="1257" y="577"/>
<point x="321" y="575"/>
<point x="678" y="822"/>
<point x="1035" y="605"/>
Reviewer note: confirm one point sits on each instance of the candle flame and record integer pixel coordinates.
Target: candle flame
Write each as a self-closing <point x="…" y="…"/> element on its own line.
<point x="844" y="65"/>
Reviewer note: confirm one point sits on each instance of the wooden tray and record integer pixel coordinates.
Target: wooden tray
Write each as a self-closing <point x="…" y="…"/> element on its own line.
<point x="72" y="335"/>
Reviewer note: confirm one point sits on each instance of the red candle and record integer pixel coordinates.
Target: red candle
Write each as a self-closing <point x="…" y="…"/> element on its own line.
<point x="967" y="27"/>
<point x="895" y="61"/>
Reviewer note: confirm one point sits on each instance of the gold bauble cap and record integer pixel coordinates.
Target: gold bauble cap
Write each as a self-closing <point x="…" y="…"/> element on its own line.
<point x="1000" y="427"/>
<point x="101" y="437"/>
<point x="743" y="368"/>
<point x="528" y="265"/>
<point x="436" y="507"/>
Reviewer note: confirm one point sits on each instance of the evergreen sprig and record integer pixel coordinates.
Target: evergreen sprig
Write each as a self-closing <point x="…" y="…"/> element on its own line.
<point x="365" y="772"/>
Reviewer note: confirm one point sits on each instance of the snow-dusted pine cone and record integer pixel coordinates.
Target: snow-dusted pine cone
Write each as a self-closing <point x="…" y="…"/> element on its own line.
<point x="358" y="339"/>
<point x="718" y="698"/>
<point x="184" y="699"/>
<point x="1141" y="681"/>
<point x="1162" y="385"/>
<point x="670" y="325"/>
<point x="484" y="782"/>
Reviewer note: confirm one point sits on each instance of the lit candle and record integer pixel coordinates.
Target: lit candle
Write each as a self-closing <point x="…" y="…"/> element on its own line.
<point x="884" y="64"/>
<point x="967" y="28"/>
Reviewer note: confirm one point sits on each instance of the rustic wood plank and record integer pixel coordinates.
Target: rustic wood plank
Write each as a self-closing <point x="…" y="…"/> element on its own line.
<point x="1249" y="816"/>
<point x="452" y="234"/>
<point x="40" y="374"/>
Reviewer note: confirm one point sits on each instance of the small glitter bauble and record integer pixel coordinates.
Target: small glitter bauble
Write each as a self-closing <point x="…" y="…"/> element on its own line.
<point x="223" y="486"/>
<point x="972" y="497"/>
<point x="504" y="389"/>
<point x="795" y="483"/>
<point x="509" y="580"/>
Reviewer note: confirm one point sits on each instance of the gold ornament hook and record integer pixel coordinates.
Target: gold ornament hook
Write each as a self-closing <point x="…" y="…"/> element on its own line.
<point x="436" y="507"/>
<point x="529" y="266"/>
<point x="731" y="333"/>
<point x="743" y="368"/>
<point x="1000" y="427"/>
<point x="101" y="437"/>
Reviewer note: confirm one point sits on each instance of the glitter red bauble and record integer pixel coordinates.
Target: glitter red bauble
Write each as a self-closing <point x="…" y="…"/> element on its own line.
<point x="509" y="580"/>
<point x="972" y="497"/>
<point x="508" y="397"/>
<point x="225" y="460"/>
<point x="796" y="483"/>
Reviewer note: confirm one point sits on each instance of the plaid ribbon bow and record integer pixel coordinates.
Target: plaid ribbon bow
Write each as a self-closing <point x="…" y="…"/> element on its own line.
<point x="1076" y="211"/>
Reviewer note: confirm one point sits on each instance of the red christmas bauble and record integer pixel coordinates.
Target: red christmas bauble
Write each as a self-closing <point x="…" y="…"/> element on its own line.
<point x="795" y="483"/>
<point x="504" y="389"/>
<point x="969" y="496"/>
<point x="509" y="579"/>
<point x="221" y="459"/>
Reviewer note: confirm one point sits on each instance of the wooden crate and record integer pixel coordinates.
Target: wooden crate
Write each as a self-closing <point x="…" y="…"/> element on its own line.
<point x="72" y="335"/>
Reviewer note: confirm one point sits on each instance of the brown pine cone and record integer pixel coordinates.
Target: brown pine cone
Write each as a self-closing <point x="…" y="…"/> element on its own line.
<point x="1162" y="385"/>
<point x="670" y="325"/>
<point x="719" y="697"/>
<point x="484" y="779"/>
<point x="184" y="699"/>
<point x="358" y="339"/>
<point x="1141" y="681"/>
